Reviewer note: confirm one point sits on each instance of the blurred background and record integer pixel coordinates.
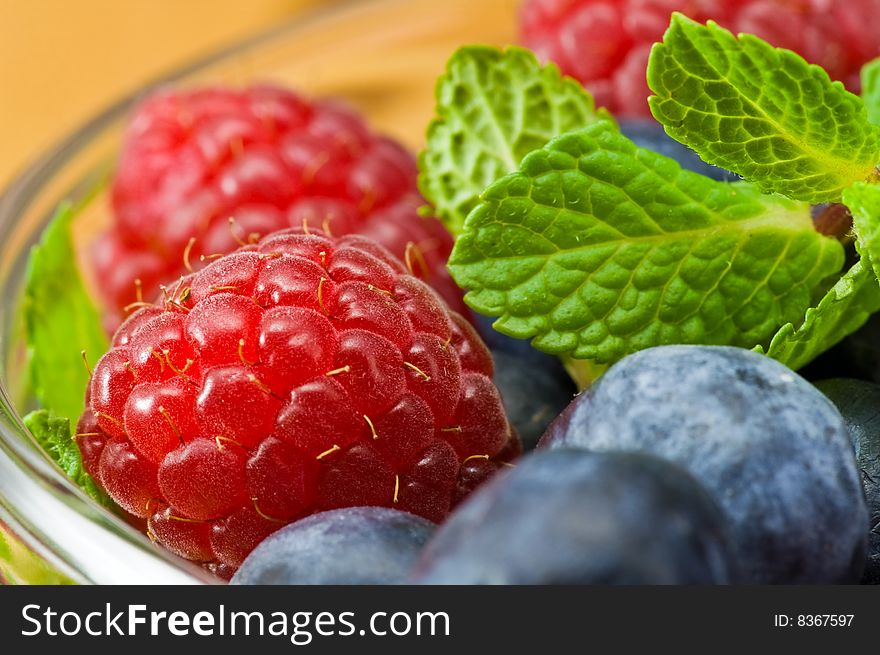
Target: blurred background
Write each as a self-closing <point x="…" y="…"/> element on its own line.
<point x="63" y="60"/>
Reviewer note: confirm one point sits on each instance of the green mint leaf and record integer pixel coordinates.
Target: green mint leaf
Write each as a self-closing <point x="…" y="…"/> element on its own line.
<point x="842" y="311"/>
<point x="60" y="321"/>
<point x="599" y="248"/>
<point x="52" y="432"/>
<point x="493" y="107"/>
<point x="871" y="90"/>
<point x="850" y="302"/>
<point x="760" y="111"/>
<point x="863" y="201"/>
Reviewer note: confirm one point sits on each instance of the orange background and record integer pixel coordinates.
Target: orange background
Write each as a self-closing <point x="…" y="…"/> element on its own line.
<point x="63" y="60"/>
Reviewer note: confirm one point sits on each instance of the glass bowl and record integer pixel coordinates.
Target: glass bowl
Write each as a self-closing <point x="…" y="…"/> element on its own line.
<point x="381" y="56"/>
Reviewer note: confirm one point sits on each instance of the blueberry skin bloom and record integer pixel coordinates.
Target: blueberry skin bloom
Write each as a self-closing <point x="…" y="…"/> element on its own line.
<point x="575" y="517"/>
<point x="772" y="450"/>
<point x="350" y="546"/>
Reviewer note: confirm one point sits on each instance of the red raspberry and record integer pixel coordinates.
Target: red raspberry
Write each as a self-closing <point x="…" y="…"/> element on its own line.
<point x="269" y="159"/>
<point x="605" y="43"/>
<point x="297" y="374"/>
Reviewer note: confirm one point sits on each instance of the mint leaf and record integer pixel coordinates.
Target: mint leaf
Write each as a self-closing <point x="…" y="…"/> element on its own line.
<point x="760" y="111"/>
<point x="863" y="201"/>
<point x="599" y="248"/>
<point x="842" y="311"/>
<point x="493" y="107"/>
<point x="52" y="432"/>
<point x="871" y="90"/>
<point x="60" y="321"/>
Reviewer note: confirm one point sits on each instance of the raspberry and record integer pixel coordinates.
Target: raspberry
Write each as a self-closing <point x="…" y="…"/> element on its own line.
<point x="605" y="43"/>
<point x="297" y="374"/>
<point x="268" y="159"/>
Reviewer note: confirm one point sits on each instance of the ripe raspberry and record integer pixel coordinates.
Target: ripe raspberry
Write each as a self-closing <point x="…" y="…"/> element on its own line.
<point x="297" y="374"/>
<point x="605" y="43"/>
<point x="269" y="159"/>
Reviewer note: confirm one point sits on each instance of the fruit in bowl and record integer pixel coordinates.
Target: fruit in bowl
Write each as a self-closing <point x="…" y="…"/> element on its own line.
<point x="298" y="373"/>
<point x="612" y="518"/>
<point x="265" y="158"/>
<point x="281" y="376"/>
<point x="355" y="545"/>
<point x="768" y="446"/>
<point x="606" y="43"/>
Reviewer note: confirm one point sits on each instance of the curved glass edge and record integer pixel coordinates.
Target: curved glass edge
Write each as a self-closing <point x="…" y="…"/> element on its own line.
<point x="20" y="565"/>
<point x="74" y="537"/>
<point x="26" y="552"/>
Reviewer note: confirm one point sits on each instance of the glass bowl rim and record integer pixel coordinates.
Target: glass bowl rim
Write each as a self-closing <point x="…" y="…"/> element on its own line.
<point x="15" y="197"/>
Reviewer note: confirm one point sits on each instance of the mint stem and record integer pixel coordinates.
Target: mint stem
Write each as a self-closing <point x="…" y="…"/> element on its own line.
<point x="583" y="371"/>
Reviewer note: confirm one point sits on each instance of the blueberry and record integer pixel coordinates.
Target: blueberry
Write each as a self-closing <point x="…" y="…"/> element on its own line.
<point x="522" y="348"/>
<point x="859" y="402"/>
<point x="771" y="448"/>
<point x="533" y="395"/>
<point x="650" y="134"/>
<point x="534" y="386"/>
<point x="574" y="517"/>
<point x="356" y="545"/>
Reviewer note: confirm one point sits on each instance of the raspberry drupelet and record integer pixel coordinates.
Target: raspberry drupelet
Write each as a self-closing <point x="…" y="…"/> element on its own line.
<point x="269" y="159"/>
<point x="296" y="374"/>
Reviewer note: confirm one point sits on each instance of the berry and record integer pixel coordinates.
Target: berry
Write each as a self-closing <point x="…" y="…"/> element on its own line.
<point x="356" y="545"/>
<point x="203" y="171"/>
<point x="773" y="451"/>
<point x="605" y="43"/>
<point x="573" y="517"/>
<point x="534" y="386"/>
<point x="298" y="374"/>
<point x="533" y="394"/>
<point x="858" y="402"/>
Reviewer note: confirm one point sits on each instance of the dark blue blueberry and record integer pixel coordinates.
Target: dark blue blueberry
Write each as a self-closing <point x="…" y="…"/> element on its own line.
<point x="650" y="134"/>
<point x="522" y="348"/>
<point x="533" y="395"/>
<point x="574" y="517"/>
<point x="355" y="545"/>
<point x="859" y="403"/>
<point x="768" y="445"/>
<point x="534" y="386"/>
